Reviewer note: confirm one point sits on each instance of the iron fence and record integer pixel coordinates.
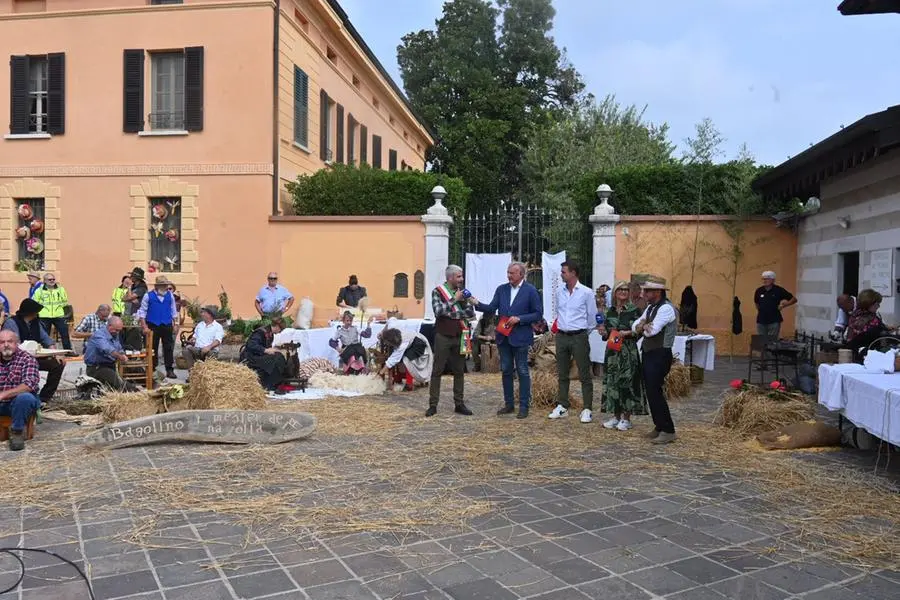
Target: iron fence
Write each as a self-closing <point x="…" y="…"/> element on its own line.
<point x="525" y="232"/>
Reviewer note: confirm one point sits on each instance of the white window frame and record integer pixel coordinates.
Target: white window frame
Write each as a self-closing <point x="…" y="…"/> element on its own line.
<point x="37" y="94"/>
<point x="173" y="99"/>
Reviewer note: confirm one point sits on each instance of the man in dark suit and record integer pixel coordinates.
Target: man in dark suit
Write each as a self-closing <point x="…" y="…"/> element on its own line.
<point x="518" y="304"/>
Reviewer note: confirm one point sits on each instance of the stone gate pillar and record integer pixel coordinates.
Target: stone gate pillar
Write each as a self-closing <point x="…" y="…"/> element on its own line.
<point x="604" y="222"/>
<point x="437" y="245"/>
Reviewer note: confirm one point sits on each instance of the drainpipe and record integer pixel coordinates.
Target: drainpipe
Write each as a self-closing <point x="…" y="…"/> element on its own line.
<point x="276" y="56"/>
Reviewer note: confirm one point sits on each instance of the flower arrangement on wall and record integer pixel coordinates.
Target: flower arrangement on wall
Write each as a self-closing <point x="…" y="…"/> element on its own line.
<point x="30" y="234"/>
<point x="165" y="234"/>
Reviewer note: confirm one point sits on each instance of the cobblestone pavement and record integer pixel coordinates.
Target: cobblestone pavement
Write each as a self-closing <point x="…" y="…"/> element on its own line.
<point x="612" y="536"/>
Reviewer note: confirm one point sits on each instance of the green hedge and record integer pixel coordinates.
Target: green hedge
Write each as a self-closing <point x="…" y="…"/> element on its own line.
<point x="347" y="190"/>
<point x="672" y="189"/>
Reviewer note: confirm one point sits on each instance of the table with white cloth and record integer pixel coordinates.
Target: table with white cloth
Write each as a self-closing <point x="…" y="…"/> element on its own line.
<point x="314" y="342"/>
<point x="870" y="400"/>
<point x="698" y="349"/>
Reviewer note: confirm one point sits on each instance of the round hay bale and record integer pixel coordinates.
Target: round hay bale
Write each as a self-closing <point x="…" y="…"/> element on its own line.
<point x="218" y="384"/>
<point x="544" y="390"/>
<point x="752" y="411"/>
<point x="678" y="381"/>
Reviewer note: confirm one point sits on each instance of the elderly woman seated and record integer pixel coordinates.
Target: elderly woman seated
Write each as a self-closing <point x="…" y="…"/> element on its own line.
<point x="409" y="357"/>
<point x="269" y="363"/>
<point x="865" y="324"/>
<point x="346" y="340"/>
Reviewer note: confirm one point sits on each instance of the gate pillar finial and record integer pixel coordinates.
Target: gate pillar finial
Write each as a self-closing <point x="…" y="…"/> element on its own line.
<point x="437" y="221"/>
<point x="604" y="221"/>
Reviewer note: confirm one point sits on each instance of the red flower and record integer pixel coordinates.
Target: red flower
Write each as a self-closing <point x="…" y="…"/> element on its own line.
<point x="736" y="384"/>
<point x="776" y="385"/>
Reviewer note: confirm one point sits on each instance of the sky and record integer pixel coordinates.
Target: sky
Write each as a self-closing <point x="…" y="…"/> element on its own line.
<point x="777" y="75"/>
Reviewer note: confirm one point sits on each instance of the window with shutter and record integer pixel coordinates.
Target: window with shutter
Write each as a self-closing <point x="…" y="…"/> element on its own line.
<point x="133" y="102"/>
<point x="351" y="140"/>
<point x="167" y="91"/>
<point x="339" y="141"/>
<point x="301" y="107"/>
<point x="392" y="160"/>
<point x="193" y="88"/>
<point x="376" y="151"/>
<point x="363" y="145"/>
<point x="37" y="94"/>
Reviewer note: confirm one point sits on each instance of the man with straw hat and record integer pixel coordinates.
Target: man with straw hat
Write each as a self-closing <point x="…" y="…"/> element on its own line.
<point x="159" y="313"/>
<point x="658" y="325"/>
<point x="34" y="283"/>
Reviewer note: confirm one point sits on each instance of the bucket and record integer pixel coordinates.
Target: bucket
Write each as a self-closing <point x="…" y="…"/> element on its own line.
<point x="845" y="356"/>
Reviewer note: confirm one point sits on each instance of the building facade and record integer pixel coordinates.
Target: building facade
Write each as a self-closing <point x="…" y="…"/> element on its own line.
<point x="160" y="134"/>
<point x="853" y="241"/>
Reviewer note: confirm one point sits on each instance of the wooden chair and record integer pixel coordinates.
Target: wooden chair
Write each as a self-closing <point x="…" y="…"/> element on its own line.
<point x="139" y="368"/>
<point x="5" y="423"/>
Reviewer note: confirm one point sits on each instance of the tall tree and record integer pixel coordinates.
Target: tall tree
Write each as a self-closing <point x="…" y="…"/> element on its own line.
<point x="483" y="77"/>
<point x="701" y="152"/>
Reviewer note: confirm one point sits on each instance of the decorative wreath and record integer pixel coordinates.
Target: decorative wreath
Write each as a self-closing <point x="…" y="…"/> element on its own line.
<point x="25" y="211"/>
<point x="37" y="227"/>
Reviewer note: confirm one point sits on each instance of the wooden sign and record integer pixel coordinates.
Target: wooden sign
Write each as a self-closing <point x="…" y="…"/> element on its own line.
<point x="211" y="426"/>
<point x="419" y="285"/>
<point x="881" y="271"/>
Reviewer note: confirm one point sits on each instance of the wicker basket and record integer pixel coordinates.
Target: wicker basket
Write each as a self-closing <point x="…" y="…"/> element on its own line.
<point x="696" y="375"/>
<point x="180" y="362"/>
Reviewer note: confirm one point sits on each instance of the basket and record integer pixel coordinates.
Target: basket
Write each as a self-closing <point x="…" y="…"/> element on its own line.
<point x="180" y="362"/>
<point x="829" y="358"/>
<point x="696" y="375"/>
<point x="396" y="314"/>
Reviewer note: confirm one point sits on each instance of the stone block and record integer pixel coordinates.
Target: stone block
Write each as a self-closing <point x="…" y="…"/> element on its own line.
<point x="136" y="234"/>
<point x="187" y="245"/>
<point x="6" y="224"/>
<point x="188" y="224"/>
<point x="51" y="202"/>
<point x="188" y="202"/>
<point x="190" y="256"/>
<point x="136" y="190"/>
<point x="6" y="244"/>
<point x="190" y="234"/>
<point x="140" y="223"/>
<point x="188" y="213"/>
<point x="52" y="213"/>
<point x="51" y="255"/>
<point x="192" y="191"/>
<point x="137" y="256"/>
<point x="51" y="225"/>
<point x="51" y="244"/>
<point x="52" y="234"/>
<point x="138" y="212"/>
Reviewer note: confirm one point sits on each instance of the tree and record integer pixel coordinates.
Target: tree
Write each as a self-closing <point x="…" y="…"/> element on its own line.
<point x="483" y="81"/>
<point x="701" y="153"/>
<point x="591" y="137"/>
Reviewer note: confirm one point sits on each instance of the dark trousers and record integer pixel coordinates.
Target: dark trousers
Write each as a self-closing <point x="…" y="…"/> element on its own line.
<point x="62" y="327"/>
<point x="109" y="376"/>
<point x="21" y="408"/>
<point x="656" y="365"/>
<point x="514" y="361"/>
<point x="166" y="335"/>
<point x="54" y="369"/>
<point x="578" y="347"/>
<point x="446" y="354"/>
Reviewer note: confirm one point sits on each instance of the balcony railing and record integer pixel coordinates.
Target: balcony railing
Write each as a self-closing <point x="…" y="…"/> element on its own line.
<point x="167" y="120"/>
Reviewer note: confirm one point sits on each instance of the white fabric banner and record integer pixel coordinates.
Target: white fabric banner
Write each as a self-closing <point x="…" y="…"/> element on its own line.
<point x="484" y="272"/>
<point x="551" y="269"/>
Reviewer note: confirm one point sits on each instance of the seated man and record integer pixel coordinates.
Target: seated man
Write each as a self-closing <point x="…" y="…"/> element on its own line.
<point x="92" y="322"/>
<point x="26" y="325"/>
<point x="19" y="380"/>
<point x="206" y="339"/>
<point x="102" y="351"/>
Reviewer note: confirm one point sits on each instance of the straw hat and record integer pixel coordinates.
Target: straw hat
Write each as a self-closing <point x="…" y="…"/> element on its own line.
<point x="654" y="282"/>
<point x="161" y="280"/>
<point x="621" y="285"/>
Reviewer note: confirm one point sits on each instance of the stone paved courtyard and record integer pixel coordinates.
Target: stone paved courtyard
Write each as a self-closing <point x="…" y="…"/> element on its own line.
<point x="382" y="503"/>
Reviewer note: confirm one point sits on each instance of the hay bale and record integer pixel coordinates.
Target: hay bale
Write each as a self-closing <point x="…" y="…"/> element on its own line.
<point x="753" y="411"/>
<point x="678" y="381"/>
<point x="117" y="406"/>
<point x="370" y="384"/>
<point x="544" y="390"/>
<point x="218" y="384"/>
<point x="807" y="434"/>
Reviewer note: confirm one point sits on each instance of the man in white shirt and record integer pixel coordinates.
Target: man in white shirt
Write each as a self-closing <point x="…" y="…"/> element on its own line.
<point x="576" y="316"/>
<point x="658" y="325"/>
<point x="206" y="339"/>
<point x="846" y="305"/>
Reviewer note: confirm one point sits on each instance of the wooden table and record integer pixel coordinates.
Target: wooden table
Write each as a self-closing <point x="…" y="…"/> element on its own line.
<point x="139" y="367"/>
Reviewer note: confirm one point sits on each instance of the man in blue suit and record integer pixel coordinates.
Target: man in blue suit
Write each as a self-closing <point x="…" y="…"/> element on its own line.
<point x="519" y="303"/>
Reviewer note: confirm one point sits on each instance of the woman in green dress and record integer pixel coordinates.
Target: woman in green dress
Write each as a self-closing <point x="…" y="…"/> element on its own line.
<point x="623" y="394"/>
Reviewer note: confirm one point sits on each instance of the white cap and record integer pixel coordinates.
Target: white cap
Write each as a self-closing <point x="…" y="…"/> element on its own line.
<point x="768" y="275"/>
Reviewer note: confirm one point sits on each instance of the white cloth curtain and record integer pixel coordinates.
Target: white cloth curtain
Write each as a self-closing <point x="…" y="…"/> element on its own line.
<point x="551" y="269"/>
<point x="484" y="272"/>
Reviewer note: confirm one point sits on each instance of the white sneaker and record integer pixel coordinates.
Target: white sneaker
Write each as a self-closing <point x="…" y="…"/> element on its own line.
<point x="558" y="413"/>
<point x="586" y="416"/>
<point x="611" y="424"/>
<point x="624" y="425"/>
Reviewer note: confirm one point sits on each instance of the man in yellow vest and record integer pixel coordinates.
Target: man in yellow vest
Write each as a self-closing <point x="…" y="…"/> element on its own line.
<point x="54" y="299"/>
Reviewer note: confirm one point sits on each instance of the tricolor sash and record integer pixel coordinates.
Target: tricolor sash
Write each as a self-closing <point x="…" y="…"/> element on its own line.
<point x="465" y="340"/>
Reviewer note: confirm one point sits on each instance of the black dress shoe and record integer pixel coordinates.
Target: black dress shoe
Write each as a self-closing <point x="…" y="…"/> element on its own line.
<point x="463" y="410"/>
<point x="523" y="414"/>
<point x="431" y="411"/>
<point x="506" y="410"/>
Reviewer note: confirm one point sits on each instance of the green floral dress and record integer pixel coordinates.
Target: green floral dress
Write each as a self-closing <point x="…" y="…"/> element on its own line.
<point x="622" y="389"/>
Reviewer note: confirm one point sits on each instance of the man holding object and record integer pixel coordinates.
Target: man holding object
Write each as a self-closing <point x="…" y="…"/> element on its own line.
<point x="518" y="306"/>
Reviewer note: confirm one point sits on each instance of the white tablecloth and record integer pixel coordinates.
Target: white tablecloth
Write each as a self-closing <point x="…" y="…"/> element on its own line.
<point x="868" y="400"/>
<point x="314" y="342"/>
<point x="703" y="349"/>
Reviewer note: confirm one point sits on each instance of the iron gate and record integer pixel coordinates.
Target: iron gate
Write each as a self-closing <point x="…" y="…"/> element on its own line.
<point x="525" y="232"/>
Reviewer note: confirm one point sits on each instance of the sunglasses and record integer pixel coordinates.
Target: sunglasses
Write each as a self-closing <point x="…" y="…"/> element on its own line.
<point x="273" y="279"/>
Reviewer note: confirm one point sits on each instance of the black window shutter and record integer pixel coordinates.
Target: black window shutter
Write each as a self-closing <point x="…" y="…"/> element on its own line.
<point x="56" y="93"/>
<point x="301" y="107"/>
<point x="133" y="103"/>
<point x="392" y="160"/>
<point x="363" y="144"/>
<point x="323" y="125"/>
<point x="18" y="100"/>
<point x="339" y="138"/>
<point x="193" y="88"/>
<point x="376" y="151"/>
<point x="351" y="139"/>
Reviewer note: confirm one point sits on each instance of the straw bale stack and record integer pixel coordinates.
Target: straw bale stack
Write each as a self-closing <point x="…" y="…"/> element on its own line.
<point x="223" y="385"/>
<point x="678" y="381"/>
<point x="752" y="410"/>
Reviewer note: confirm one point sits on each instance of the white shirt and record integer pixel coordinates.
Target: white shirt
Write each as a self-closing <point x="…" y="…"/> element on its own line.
<point x="576" y="310"/>
<point x="664" y="316"/>
<point x="204" y="334"/>
<point x="514" y="291"/>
